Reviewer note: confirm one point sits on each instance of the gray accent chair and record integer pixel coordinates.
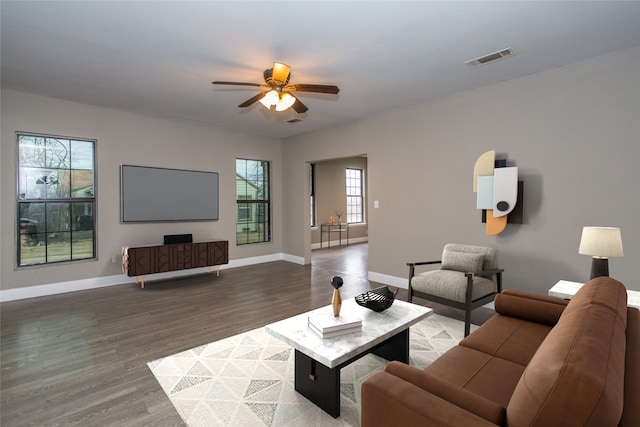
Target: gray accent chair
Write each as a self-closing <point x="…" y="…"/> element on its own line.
<point x="468" y="278"/>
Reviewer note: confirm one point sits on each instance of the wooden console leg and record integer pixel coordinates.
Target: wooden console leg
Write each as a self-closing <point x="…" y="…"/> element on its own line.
<point x="142" y="283"/>
<point x="218" y="270"/>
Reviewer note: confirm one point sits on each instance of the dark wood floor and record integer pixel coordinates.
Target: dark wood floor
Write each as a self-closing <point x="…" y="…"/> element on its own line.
<point x="81" y="358"/>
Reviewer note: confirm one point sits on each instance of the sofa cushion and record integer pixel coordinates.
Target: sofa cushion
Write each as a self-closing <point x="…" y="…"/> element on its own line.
<point x="535" y="308"/>
<point x="388" y="400"/>
<point x="465" y="399"/>
<point x="577" y="375"/>
<point x="476" y="372"/>
<point x="508" y="338"/>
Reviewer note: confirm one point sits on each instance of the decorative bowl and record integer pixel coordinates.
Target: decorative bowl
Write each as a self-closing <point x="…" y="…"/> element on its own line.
<point x="378" y="299"/>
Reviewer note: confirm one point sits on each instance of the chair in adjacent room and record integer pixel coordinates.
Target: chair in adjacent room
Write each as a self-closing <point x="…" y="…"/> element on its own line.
<point x="468" y="278"/>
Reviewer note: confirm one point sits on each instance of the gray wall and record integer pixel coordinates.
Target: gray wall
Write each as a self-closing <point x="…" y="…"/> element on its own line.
<point x="126" y="138"/>
<point x="574" y="132"/>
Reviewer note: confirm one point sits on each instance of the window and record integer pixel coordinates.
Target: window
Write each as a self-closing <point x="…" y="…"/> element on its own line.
<point x="312" y="193"/>
<point x="354" y="195"/>
<point x="56" y="199"/>
<point x="253" y="224"/>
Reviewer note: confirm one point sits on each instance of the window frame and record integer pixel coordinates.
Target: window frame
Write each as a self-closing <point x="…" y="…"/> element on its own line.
<point x="359" y="216"/>
<point x="53" y="205"/>
<point x="261" y="207"/>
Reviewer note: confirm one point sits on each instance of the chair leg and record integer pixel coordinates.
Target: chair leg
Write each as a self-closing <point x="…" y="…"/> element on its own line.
<point x="467" y="306"/>
<point x="410" y="291"/>
<point x="467" y="323"/>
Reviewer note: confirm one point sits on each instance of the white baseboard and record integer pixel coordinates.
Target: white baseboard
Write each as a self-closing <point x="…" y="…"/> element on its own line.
<point x="293" y="259"/>
<point x="119" y="279"/>
<point x="398" y="282"/>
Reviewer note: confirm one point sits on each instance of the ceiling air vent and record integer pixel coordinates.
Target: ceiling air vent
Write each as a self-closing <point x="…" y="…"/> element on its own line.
<point x="292" y="121"/>
<point x="495" y="56"/>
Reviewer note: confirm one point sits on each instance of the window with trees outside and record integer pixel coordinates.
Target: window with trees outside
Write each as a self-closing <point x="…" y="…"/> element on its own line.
<point x="253" y="221"/>
<point x="355" y="196"/>
<point x="56" y="199"/>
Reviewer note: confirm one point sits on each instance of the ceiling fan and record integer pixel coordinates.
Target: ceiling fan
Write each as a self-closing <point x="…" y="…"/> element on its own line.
<point x="279" y="90"/>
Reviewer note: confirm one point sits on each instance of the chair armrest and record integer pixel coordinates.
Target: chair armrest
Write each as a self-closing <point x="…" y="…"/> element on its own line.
<point x="413" y="264"/>
<point x="412" y="268"/>
<point x="459" y="396"/>
<point x="490" y="272"/>
<point x="388" y="400"/>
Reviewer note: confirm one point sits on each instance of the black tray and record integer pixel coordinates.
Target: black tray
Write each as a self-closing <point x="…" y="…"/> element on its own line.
<point x="378" y="299"/>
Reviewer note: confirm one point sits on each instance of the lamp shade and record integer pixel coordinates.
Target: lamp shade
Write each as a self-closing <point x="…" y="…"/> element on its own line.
<point x="285" y="101"/>
<point x="271" y="98"/>
<point x="602" y="242"/>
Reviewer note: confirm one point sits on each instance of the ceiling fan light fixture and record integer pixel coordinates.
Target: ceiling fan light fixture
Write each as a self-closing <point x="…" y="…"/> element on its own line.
<point x="271" y="98"/>
<point x="278" y="94"/>
<point x="285" y="102"/>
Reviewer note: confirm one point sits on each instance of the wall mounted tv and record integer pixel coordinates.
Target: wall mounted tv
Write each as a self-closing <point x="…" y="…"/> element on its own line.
<point x="149" y="194"/>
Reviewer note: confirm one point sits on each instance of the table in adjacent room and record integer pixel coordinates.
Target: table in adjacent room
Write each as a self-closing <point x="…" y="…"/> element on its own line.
<point x="334" y="228"/>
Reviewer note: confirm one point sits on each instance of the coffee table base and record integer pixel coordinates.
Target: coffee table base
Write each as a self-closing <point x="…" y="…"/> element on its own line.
<point x="321" y="385"/>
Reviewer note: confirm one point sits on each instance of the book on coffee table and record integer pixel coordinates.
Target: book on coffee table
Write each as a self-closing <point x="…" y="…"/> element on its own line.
<point x="335" y="333"/>
<point x="327" y="325"/>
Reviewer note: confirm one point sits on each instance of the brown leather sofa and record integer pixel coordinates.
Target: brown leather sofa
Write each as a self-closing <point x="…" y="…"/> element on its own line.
<point x="541" y="361"/>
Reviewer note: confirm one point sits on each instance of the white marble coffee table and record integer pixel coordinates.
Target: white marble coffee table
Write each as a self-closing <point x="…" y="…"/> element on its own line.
<point x="318" y="361"/>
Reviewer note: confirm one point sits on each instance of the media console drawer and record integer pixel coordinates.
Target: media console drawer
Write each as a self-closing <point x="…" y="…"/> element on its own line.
<point x="142" y="260"/>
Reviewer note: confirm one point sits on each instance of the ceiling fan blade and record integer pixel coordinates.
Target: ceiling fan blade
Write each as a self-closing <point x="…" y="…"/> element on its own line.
<point x="253" y="99"/>
<point x="314" y="88"/>
<point x="239" y="84"/>
<point x="280" y="73"/>
<point x="299" y="107"/>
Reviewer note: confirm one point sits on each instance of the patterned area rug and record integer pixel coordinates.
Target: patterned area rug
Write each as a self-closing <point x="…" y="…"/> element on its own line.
<point x="247" y="379"/>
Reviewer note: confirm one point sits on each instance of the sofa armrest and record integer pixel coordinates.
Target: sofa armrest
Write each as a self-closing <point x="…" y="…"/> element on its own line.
<point x="459" y="396"/>
<point x="631" y="411"/>
<point x="531" y="307"/>
<point x="390" y="401"/>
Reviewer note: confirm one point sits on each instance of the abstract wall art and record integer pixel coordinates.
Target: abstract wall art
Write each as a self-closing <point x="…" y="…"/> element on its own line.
<point x="499" y="193"/>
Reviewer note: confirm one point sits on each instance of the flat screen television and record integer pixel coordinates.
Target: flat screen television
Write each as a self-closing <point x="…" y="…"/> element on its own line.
<point x="150" y="194"/>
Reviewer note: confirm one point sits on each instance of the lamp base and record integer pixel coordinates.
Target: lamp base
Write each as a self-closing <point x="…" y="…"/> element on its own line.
<point x="599" y="267"/>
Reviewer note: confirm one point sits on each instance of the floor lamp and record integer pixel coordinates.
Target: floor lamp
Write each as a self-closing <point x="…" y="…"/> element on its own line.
<point x="601" y="243"/>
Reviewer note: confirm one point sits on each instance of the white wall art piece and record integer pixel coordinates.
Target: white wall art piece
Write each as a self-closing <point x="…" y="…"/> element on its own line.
<point x="505" y="190"/>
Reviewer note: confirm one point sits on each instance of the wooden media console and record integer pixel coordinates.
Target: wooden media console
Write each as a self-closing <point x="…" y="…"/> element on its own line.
<point x="142" y="260"/>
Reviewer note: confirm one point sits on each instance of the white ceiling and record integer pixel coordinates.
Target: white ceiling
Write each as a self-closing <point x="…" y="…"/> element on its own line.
<point x="159" y="58"/>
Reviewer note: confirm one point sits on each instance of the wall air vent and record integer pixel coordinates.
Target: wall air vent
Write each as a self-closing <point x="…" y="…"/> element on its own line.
<point x="292" y="121"/>
<point x="495" y="56"/>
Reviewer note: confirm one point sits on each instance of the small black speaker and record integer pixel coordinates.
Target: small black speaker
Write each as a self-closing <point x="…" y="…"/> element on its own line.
<point x="172" y="239"/>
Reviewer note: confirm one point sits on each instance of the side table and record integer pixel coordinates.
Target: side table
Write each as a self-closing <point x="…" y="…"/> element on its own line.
<point x="339" y="227"/>
<point x="566" y="290"/>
